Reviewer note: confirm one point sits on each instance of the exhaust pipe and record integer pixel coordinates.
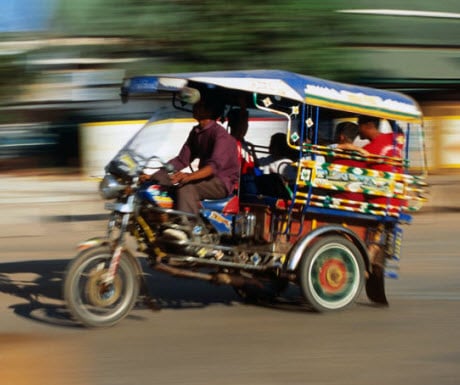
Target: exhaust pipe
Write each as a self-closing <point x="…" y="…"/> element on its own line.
<point x="217" y="278"/>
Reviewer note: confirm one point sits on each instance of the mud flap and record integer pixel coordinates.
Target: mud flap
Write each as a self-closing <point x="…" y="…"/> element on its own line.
<point x="375" y="286"/>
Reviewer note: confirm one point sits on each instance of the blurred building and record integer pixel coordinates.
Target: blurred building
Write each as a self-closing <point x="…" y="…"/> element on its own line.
<point x="414" y="49"/>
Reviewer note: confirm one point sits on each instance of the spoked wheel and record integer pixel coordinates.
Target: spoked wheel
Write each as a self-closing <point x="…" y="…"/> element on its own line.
<point x="92" y="301"/>
<point x="331" y="273"/>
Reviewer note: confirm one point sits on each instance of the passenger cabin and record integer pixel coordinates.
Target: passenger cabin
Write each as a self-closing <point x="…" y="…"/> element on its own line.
<point x="309" y="110"/>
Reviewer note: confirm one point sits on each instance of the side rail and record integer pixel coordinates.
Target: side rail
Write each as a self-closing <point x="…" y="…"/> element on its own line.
<point x="323" y="184"/>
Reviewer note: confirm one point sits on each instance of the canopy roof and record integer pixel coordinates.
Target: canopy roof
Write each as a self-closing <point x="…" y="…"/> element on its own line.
<point x="300" y="88"/>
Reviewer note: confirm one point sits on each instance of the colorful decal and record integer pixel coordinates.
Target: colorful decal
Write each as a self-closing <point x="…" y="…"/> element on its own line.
<point x="335" y="177"/>
<point x="222" y="223"/>
<point x="216" y="217"/>
<point x="154" y="190"/>
<point x="163" y="201"/>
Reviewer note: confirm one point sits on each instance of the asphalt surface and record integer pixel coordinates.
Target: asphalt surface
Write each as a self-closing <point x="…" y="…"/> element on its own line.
<point x="204" y="334"/>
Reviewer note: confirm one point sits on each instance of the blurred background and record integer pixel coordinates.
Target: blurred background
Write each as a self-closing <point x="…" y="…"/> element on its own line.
<point x="62" y="62"/>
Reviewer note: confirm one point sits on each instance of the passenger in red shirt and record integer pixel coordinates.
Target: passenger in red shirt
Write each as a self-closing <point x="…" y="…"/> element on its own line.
<point x="345" y="134"/>
<point x="390" y="145"/>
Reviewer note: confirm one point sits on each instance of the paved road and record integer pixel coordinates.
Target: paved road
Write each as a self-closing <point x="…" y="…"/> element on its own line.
<point x="204" y="335"/>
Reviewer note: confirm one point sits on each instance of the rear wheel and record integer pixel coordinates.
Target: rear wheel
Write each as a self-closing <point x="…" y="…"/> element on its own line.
<point x="92" y="301"/>
<point x="331" y="273"/>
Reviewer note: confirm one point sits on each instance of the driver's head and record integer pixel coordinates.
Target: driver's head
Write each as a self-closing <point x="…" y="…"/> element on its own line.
<point x="207" y="108"/>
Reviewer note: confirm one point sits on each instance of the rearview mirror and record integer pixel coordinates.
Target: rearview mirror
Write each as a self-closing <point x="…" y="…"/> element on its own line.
<point x="189" y="95"/>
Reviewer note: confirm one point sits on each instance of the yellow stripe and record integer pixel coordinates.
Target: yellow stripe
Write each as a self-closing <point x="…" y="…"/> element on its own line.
<point x="114" y="123"/>
<point x="181" y="120"/>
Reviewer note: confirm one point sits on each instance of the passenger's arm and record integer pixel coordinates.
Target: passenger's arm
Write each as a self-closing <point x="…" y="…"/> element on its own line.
<point x="352" y="147"/>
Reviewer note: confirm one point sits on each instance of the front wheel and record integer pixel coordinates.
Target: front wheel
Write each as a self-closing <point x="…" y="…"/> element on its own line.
<point x="331" y="273"/>
<point x="92" y="301"/>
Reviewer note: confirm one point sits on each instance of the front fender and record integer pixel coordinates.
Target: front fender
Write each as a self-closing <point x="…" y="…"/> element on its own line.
<point x="92" y="242"/>
<point x="298" y="249"/>
<point x="104" y="241"/>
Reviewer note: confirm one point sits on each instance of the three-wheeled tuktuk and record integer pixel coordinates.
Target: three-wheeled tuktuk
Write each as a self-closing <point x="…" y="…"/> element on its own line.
<point x="270" y="233"/>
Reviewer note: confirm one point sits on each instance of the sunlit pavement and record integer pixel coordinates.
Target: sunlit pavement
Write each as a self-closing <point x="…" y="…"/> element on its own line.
<point x="37" y="359"/>
<point x="30" y="200"/>
<point x="416" y="336"/>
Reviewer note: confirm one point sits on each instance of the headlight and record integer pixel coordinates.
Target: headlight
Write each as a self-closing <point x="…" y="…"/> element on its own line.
<point x="110" y="187"/>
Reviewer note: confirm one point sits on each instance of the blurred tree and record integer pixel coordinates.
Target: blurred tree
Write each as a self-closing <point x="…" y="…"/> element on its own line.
<point x="188" y="35"/>
<point x="9" y="69"/>
<point x="13" y="77"/>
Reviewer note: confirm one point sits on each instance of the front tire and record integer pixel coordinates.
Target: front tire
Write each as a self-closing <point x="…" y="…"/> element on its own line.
<point x="331" y="273"/>
<point x="89" y="299"/>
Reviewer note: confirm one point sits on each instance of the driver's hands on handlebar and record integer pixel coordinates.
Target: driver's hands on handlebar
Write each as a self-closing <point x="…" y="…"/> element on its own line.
<point x="144" y="178"/>
<point x="187" y="177"/>
<point x="180" y="177"/>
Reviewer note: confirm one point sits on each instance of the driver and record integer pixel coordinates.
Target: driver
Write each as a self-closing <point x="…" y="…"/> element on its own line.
<point x="218" y="169"/>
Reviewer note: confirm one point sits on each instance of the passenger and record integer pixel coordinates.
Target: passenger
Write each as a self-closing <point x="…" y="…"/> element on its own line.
<point x="238" y="123"/>
<point x="218" y="169"/>
<point x="346" y="132"/>
<point x="312" y="155"/>
<point x="280" y="159"/>
<point x="382" y="144"/>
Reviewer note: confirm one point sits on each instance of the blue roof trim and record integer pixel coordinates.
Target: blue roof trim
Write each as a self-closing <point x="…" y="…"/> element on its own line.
<point x="143" y="84"/>
<point x="287" y="84"/>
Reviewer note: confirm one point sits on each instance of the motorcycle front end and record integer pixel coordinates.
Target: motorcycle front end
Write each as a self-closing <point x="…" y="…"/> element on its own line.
<point x="102" y="283"/>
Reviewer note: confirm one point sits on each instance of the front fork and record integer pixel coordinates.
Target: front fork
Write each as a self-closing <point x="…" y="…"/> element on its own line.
<point x="127" y="210"/>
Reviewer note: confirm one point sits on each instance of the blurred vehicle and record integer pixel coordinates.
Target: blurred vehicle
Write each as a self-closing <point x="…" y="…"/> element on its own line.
<point x="25" y="140"/>
<point x="267" y="236"/>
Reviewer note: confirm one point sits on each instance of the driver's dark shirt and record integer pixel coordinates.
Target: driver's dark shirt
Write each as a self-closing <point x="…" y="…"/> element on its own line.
<point x="214" y="147"/>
